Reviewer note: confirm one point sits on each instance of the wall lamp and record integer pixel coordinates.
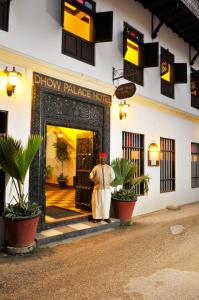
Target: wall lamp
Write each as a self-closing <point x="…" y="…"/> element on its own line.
<point x="153" y="155"/>
<point x="12" y="78"/>
<point x="123" y="109"/>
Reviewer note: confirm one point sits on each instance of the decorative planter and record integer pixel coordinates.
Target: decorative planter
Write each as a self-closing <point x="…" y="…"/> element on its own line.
<point x="123" y="209"/>
<point x="21" y="232"/>
<point x="62" y="183"/>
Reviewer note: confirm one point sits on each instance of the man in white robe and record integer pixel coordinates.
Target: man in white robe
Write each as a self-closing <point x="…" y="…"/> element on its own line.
<point x="102" y="175"/>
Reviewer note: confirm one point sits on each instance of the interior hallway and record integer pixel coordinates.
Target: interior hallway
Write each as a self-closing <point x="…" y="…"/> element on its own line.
<point x="64" y="199"/>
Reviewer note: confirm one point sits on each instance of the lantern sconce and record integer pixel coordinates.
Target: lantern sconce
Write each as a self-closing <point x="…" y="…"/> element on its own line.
<point x="153" y="155"/>
<point x="12" y="79"/>
<point x="123" y="109"/>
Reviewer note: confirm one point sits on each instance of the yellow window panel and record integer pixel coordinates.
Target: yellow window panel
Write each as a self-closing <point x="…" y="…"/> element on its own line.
<point x="78" y="22"/>
<point x="167" y="76"/>
<point x="132" y="53"/>
<point x="70" y="6"/>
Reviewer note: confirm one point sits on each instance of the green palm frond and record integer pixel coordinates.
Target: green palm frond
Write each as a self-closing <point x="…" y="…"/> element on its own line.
<point x="26" y="156"/>
<point x="10" y="149"/>
<point x="141" y="179"/>
<point x="15" y="161"/>
<point x="124" y="171"/>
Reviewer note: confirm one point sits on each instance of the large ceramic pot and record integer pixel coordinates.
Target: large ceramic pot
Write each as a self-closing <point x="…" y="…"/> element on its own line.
<point x="21" y="232"/>
<point x="123" y="209"/>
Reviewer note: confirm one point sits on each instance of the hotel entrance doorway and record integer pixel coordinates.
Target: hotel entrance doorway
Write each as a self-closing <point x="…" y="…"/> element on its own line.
<point x="70" y="157"/>
<point x="66" y="108"/>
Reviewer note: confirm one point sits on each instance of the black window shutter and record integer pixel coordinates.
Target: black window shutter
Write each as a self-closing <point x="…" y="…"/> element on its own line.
<point x="195" y="98"/>
<point x="78" y="48"/>
<point x="4" y="14"/>
<point x="197" y="83"/>
<point x="103" y="26"/>
<point x="87" y="52"/>
<point x="69" y="44"/>
<point x="124" y="42"/>
<point x="133" y="73"/>
<point x="180" y="72"/>
<point x="3" y="130"/>
<point x="150" y="55"/>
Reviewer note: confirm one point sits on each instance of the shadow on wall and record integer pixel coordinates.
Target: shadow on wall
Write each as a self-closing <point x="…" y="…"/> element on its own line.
<point x="53" y="8"/>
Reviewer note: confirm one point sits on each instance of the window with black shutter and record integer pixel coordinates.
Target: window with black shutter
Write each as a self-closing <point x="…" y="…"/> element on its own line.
<point x="4" y="14"/>
<point x="167" y="73"/>
<point x="195" y="89"/>
<point x="137" y="54"/>
<point x="133" y="150"/>
<point x="194" y="165"/>
<point x="171" y="73"/>
<point x="167" y="165"/>
<point x="3" y="130"/>
<point x="83" y="27"/>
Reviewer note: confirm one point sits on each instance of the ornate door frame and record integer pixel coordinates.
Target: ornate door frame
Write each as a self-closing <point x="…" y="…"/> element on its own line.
<point x="58" y="108"/>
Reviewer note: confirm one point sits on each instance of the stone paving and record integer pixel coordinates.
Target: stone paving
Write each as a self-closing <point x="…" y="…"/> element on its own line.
<point x="144" y="261"/>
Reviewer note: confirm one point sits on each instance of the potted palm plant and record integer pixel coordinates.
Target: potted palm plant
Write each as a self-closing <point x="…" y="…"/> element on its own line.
<point x="20" y="216"/>
<point x="48" y="173"/>
<point x="62" y="155"/>
<point x="124" y="199"/>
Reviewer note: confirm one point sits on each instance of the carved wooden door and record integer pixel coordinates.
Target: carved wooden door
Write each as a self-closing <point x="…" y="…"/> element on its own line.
<point x="84" y="165"/>
<point x="3" y="130"/>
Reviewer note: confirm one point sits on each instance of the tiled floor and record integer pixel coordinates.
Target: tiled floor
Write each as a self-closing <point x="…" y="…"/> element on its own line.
<point x="61" y="198"/>
<point x="76" y="225"/>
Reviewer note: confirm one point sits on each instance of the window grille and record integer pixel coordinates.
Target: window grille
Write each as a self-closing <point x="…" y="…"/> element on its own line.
<point x="194" y="165"/>
<point x="133" y="150"/>
<point x="132" y="44"/>
<point x="167" y="165"/>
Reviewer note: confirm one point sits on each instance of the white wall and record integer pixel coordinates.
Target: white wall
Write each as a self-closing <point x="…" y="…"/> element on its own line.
<point x="35" y="31"/>
<point x="19" y="111"/>
<point x="155" y="122"/>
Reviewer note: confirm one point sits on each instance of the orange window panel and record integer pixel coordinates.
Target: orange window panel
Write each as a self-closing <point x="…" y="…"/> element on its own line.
<point x="78" y="22"/>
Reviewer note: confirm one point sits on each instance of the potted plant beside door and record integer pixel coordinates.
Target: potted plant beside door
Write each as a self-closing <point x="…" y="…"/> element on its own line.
<point x="123" y="198"/>
<point x="62" y="155"/>
<point x="20" y="216"/>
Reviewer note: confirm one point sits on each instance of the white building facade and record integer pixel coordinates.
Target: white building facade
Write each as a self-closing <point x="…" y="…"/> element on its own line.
<point x="34" y="44"/>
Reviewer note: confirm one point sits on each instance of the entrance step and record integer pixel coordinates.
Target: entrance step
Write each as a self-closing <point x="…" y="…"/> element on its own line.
<point x="73" y="230"/>
<point x="67" y="221"/>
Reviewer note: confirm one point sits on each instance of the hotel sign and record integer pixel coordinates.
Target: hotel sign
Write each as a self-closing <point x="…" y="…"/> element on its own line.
<point x="126" y="90"/>
<point x="70" y="89"/>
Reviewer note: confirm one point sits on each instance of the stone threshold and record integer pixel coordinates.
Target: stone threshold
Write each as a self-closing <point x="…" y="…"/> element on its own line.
<point x="73" y="230"/>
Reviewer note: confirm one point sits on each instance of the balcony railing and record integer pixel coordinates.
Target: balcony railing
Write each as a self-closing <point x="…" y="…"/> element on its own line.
<point x="193" y="6"/>
<point x="182" y="16"/>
